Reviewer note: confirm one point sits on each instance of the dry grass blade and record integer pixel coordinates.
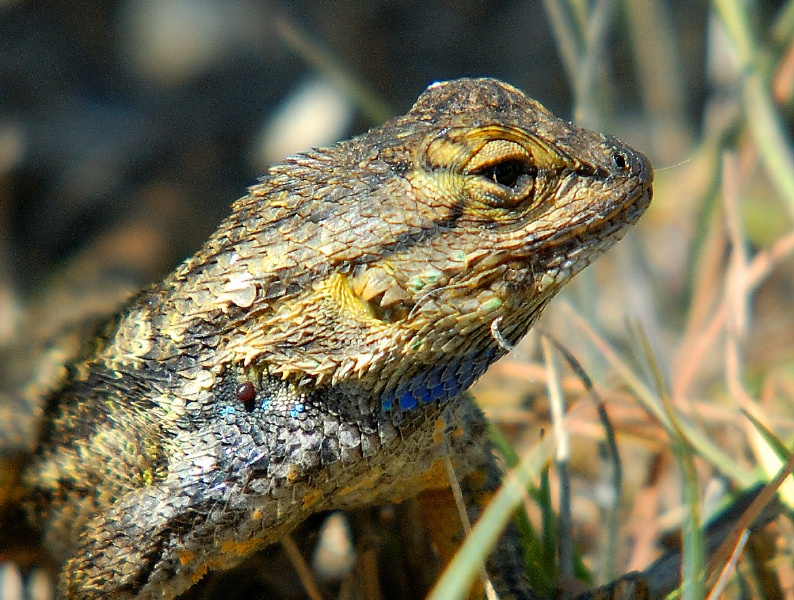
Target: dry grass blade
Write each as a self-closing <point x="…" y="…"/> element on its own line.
<point x="764" y="497"/>
<point x="561" y="459"/>
<point x="692" y="584"/>
<point x="458" y="577"/>
<point x="653" y="404"/>
<point x="762" y="265"/>
<point x="302" y="568"/>
<point x="729" y="567"/>
<point x="762" y="117"/>
<point x="375" y="108"/>
<point x="611" y="543"/>
<point x="457" y="494"/>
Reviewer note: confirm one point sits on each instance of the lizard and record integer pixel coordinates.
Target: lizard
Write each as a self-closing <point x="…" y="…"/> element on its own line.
<point x="314" y="354"/>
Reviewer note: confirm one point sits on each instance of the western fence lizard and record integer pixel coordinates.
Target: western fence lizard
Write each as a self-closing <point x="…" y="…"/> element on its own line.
<point x="314" y="353"/>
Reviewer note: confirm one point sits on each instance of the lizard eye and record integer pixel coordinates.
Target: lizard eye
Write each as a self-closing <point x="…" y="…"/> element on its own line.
<point x="506" y="183"/>
<point x="504" y="173"/>
<point x="507" y="173"/>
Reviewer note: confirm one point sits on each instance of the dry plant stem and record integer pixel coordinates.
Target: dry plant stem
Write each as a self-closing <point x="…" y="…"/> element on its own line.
<point x="742" y="277"/>
<point x="699" y="340"/>
<point x="729" y="567"/>
<point x="656" y="54"/>
<point x="758" y="270"/>
<point x="589" y="65"/>
<point x="457" y="577"/>
<point x="783" y="31"/>
<point x="460" y="504"/>
<point x="608" y="567"/>
<point x="567" y="34"/>
<point x="581" y="39"/>
<point x="763" y="121"/>
<point x="376" y="109"/>
<point x="561" y="459"/>
<point x="692" y="574"/>
<point x="457" y="493"/>
<point x="702" y="336"/>
<point x="736" y="292"/>
<point x="750" y="515"/>
<point x="651" y="402"/>
<point x="706" y="285"/>
<point x="737" y="298"/>
<point x="304" y="572"/>
<point x="692" y="577"/>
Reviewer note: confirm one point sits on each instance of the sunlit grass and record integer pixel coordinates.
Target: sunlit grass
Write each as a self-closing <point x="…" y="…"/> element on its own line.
<point x="713" y="372"/>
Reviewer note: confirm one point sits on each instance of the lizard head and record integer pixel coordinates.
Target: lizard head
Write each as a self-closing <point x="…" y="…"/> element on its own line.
<point x="396" y="257"/>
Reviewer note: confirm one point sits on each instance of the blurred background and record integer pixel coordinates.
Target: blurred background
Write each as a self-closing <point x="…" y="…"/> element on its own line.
<point x="128" y="127"/>
<point x="168" y="109"/>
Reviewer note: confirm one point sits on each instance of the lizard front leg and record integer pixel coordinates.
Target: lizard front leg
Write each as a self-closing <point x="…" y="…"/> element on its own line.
<point x="233" y="487"/>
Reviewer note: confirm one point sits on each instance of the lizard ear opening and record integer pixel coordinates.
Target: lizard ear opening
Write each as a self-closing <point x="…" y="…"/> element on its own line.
<point x="391" y="313"/>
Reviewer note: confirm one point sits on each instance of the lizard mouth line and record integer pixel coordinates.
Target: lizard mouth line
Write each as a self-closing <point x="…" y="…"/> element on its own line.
<point x="631" y="211"/>
<point x="577" y="248"/>
<point x="603" y="228"/>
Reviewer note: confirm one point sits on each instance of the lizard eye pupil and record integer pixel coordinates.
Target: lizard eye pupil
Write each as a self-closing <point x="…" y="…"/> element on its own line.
<point x="505" y="173"/>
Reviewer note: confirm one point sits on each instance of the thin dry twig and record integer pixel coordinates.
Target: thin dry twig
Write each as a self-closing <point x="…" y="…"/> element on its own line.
<point x="766" y="496"/>
<point x="562" y="456"/>
<point x="304" y="572"/>
<point x="460" y="504"/>
<point x="757" y="271"/>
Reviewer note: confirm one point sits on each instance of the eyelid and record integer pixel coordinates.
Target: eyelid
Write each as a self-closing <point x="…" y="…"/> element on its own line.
<point x="498" y="151"/>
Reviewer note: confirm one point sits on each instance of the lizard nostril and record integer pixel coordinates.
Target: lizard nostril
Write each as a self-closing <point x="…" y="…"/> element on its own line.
<point x="620" y="160"/>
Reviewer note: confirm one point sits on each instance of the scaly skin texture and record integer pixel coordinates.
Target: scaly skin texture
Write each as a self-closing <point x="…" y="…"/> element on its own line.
<point x="314" y="353"/>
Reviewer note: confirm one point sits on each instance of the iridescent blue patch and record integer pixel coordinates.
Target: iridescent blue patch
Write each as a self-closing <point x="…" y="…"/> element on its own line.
<point x="408" y="402"/>
<point x="296" y="409"/>
<point x="440" y="383"/>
